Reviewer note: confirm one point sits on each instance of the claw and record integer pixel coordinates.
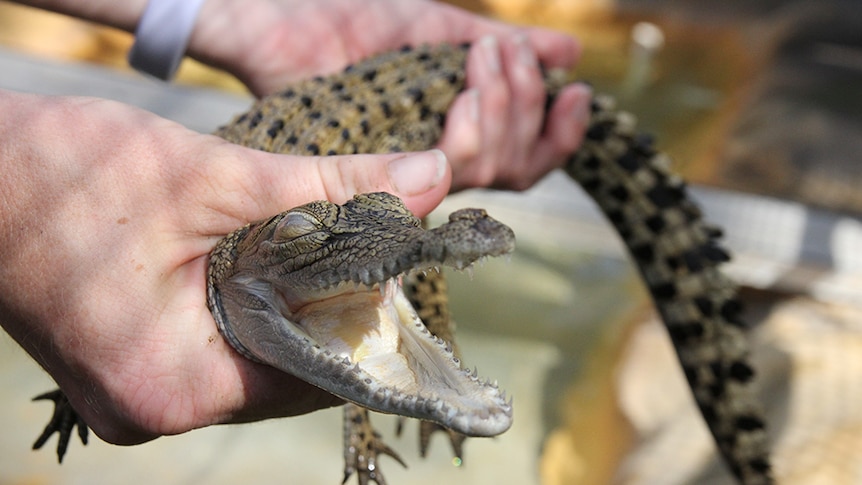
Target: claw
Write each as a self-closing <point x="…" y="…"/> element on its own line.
<point x="62" y="422"/>
<point x="427" y="428"/>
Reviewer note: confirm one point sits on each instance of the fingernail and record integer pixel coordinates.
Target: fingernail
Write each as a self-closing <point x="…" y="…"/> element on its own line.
<point x="582" y="108"/>
<point x="491" y="52"/>
<point x="415" y="174"/>
<point x="526" y="54"/>
<point x="473" y="103"/>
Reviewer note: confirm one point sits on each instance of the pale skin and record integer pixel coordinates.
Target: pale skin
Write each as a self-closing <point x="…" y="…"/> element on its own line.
<point x="107" y="212"/>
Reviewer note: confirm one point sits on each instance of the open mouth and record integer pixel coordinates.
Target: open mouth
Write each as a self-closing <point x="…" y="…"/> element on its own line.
<point x="405" y="368"/>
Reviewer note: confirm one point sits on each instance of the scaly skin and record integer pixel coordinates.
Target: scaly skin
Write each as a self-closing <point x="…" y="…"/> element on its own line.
<point x="313" y="291"/>
<point x="678" y="257"/>
<point x="397" y="102"/>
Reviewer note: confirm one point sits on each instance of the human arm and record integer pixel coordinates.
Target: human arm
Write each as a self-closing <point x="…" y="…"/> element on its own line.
<point x="496" y="134"/>
<point x="104" y="156"/>
<point x="107" y="214"/>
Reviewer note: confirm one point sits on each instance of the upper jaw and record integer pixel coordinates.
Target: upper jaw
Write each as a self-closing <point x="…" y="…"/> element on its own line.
<point x="470" y="235"/>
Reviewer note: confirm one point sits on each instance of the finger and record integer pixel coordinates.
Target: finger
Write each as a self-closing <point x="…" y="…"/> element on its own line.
<point x="485" y="74"/>
<point x="566" y="123"/>
<point x="555" y="49"/>
<point x="462" y="135"/>
<point x="249" y="184"/>
<point x="421" y="179"/>
<point x="526" y="108"/>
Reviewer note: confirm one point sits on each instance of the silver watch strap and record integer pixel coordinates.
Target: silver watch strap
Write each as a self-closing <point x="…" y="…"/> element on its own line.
<point x="163" y="35"/>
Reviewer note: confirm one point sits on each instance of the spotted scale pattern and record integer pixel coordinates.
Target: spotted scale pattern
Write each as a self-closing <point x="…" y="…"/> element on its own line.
<point x="400" y="106"/>
<point x="397" y="102"/>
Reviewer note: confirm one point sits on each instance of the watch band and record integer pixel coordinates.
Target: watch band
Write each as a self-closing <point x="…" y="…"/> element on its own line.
<point x="163" y="35"/>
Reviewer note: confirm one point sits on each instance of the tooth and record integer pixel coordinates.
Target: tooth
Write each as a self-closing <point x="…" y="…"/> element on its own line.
<point x="365" y="276"/>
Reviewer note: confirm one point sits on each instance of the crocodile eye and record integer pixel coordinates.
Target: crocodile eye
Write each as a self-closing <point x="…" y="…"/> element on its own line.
<point x="294" y="225"/>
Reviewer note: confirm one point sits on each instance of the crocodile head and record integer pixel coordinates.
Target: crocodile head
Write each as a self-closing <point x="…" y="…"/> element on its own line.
<point x="315" y="291"/>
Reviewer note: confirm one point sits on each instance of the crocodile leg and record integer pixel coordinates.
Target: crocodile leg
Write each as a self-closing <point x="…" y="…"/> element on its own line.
<point x="363" y="446"/>
<point x="63" y="421"/>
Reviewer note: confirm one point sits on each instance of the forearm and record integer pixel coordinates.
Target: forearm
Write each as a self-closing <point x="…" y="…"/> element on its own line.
<point x="29" y="194"/>
<point x="120" y="14"/>
<point x="22" y="180"/>
<point x="218" y="38"/>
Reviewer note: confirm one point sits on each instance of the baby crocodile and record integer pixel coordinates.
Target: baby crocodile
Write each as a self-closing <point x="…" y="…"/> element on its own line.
<point x="397" y="102"/>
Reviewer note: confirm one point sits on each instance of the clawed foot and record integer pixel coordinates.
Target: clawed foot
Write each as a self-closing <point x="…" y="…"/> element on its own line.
<point x="427" y="428"/>
<point x="362" y="446"/>
<point x="62" y="422"/>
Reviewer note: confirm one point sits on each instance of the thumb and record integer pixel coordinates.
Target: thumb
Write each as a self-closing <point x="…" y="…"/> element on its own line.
<point x="280" y="182"/>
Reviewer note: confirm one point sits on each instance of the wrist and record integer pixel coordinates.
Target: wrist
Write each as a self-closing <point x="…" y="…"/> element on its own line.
<point x="22" y="208"/>
<point x="20" y="178"/>
<point x="266" y="43"/>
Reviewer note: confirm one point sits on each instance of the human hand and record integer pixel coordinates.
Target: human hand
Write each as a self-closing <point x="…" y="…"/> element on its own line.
<point x="107" y="214"/>
<point x="496" y="134"/>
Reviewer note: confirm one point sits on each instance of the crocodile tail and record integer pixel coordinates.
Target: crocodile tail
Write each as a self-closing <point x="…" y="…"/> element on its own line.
<point x="678" y="256"/>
